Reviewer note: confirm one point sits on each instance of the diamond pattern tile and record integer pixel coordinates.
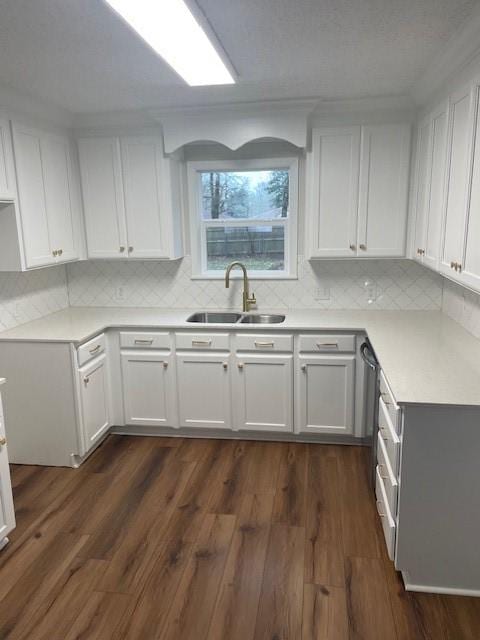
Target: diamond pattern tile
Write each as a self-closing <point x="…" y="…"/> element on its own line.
<point x="399" y="284"/>
<point x="31" y="295"/>
<point x="463" y="306"/>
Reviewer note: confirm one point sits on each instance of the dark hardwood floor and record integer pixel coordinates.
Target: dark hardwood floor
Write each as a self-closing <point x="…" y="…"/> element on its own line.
<point x="171" y="539"/>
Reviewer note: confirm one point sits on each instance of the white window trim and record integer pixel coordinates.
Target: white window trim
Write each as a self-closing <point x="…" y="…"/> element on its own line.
<point x="198" y="226"/>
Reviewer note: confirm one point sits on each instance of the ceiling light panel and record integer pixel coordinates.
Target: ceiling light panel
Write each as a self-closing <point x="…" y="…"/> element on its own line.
<point x="172" y="31"/>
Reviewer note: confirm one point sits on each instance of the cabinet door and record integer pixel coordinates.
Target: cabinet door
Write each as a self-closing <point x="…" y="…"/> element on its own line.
<point x="382" y="220"/>
<point x="263" y="393"/>
<point x="7" y="513"/>
<point x="148" y="389"/>
<point x="470" y="273"/>
<point x="459" y="148"/>
<point x="436" y="195"/>
<point x="422" y="187"/>
<point x="95" y="400"/>
<point x="203" y="384"/>
<point x="59" y="196"/>
<point x="333" y="192"/>
<point x="7" y="171"/>
<point x="31" y="192"/>
<point x="148" y="218"/>
<point x="102" y="188"/>
<point x="326" y="394"/>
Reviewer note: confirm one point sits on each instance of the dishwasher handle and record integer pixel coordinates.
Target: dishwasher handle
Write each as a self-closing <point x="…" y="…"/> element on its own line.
<point x="368" y="357"/>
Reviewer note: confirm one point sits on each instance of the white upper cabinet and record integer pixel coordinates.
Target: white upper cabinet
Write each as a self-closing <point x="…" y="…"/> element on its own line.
<point x="59" y="196"/>
<point x="334" y="167"/>
<point x="32" y="200"/>
<point x="382" y="211"/>
<point x="469" y="269"/>
<point x="436" y="187"/>
<point x="7" y="170"/>
<point x="422" y="172"/>
<point x="430" y="191"/>
<point x="104" y="208"/>
<point x="458" y="161"/>
<point x="47" y="201"/>
<point x="357" y="190"/>
<point x="131" y="197"/>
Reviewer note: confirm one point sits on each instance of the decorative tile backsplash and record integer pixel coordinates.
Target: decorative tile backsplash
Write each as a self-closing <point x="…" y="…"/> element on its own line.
<point x="463" y="306"/>
<point x="31" y="295"/>
<point x="379" y="284"/>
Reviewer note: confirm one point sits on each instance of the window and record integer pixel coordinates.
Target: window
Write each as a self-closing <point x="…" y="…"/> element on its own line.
<point x="246" y="211"/>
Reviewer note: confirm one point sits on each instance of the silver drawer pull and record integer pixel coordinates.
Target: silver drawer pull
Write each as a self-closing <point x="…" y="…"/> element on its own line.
<point x="139" y="341"/>
<point x="384" y="433"/>
<point x="331" y="345"/>
<point x="380" y="504"/>
<point x="384" y="395"/>
<point x="304" y="368"/>
<point x="259" y="343"/>
<point x="95" y="349"/>
<point x="381" y="469"/>
<point x="201" y="343"/>
<point x="165" y="364"/>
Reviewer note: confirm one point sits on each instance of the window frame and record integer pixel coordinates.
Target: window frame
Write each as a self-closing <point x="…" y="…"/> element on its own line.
<point x="198" y="226"/>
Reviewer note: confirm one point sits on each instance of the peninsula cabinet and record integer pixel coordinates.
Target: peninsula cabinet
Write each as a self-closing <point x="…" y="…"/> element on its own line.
<point x="132" y="198"/>
<point x="357" y="190"/>
<point x="42" y="226"/>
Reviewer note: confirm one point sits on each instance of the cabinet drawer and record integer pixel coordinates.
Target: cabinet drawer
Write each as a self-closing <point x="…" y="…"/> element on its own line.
<point x="145" y="340"/>
<point x="203" y="341"/>
<point x="326" y="343"/>
<point x="393" y="409"/>
<point x="390" y="483"/>
<point x="386" y="519"/>
<point x="263" y="342"/>
<point x="389" y="436"/>
<point x="91" y="349"/>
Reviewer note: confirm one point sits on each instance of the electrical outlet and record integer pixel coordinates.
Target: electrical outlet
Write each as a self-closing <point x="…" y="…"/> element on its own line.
<point x="370" y="291"/>
<point x="322" y="293"/>
<point x="120" y="293"/>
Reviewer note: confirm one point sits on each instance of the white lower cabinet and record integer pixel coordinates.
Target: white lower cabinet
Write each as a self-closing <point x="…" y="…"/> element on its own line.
<point x="94" y="394"/>
<point x="148" y="388"/>
<point x="7" y="514"/>
<point x="325" y="394"/>
<point x="263" y="392"/>
<point x="203" y="390"/>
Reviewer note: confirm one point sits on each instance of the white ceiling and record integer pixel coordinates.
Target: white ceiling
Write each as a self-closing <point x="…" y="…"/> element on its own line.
<point x="78" y="55"/>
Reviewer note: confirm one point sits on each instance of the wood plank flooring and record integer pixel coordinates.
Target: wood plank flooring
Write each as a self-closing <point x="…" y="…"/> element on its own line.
<point x="176" y="539"/>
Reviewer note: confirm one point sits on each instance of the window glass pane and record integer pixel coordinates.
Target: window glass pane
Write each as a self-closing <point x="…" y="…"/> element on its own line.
<point x="259" y="248"/>
<point x="228" y="195"/>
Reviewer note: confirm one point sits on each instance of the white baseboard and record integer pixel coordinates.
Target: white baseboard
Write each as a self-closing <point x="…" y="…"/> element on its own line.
<point x="450" y="591"/>
<point x="237" y="435"/>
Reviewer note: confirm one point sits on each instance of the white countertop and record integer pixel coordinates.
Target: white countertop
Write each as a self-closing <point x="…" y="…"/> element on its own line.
<point x="426" y="357"/>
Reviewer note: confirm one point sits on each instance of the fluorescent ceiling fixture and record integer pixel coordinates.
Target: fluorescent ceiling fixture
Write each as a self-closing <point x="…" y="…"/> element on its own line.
<point x="170" y="28"/>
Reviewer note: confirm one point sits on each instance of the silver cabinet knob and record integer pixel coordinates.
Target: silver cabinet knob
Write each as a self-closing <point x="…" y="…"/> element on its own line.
<point x="225" y="365"/>
<point x="55" y="253"/>
<point x="121" y="248"/>
<point x="60" y="251"/>
<point x="3" y="442"/>
<point x="130" y="249"/>
<point x="353" y="247"/>
<point x="363" y="247"/>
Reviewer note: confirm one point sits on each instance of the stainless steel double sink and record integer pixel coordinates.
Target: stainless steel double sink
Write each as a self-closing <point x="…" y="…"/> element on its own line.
<point x="214" y="317"/>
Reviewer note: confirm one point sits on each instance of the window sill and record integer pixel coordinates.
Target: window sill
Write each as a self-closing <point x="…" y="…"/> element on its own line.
<point x="221" y="276"/>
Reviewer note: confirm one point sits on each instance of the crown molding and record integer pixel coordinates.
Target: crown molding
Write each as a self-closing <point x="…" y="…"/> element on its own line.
<point x="461" y="49"/>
